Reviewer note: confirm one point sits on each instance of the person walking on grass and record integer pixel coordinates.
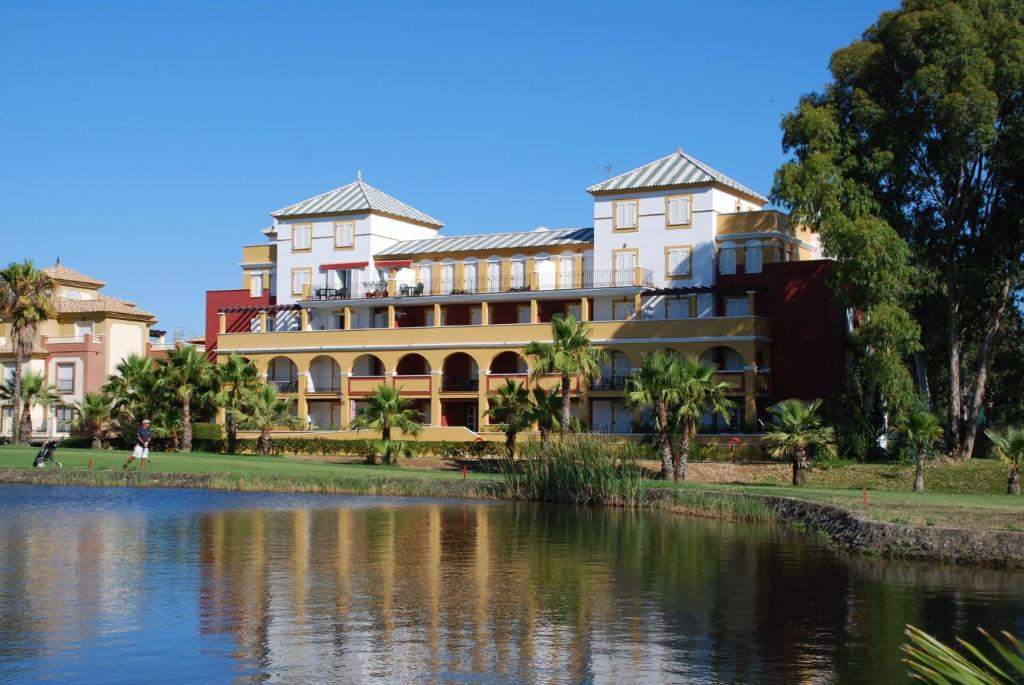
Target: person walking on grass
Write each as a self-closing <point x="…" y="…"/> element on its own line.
<point x="141" y="451"/>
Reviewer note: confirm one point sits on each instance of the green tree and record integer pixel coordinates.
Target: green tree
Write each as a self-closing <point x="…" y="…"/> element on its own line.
<point x="546" y="411"/>
<point x="908" y="164"/>
<point x="510" y="406"/>
<point x="1009" y="446"/>
<point x="656" y="387"/>
<point x="386" y="409"/>
<point x="571" y="355"/>
<point x="95" y="412"/>
<point x="134" y="391"/>
<point x="236" y="376"/>
<point x="922" y="430"/>
<point x="25" y="303"/>
<point x="189" y="376"/>
<point x="34" y="391"/>
<point x="699" y="394"/>
<point x="262" y="409"/>
<point x="796" y="431"/>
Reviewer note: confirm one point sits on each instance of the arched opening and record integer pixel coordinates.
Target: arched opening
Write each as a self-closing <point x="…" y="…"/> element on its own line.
<point x="493" y="274"/>
<point x="283" y="374"/>
<point x="324" y="375"/>
<point x="725" y="358"/>
<point x="469" y="275"/>
<point x="545" y="268"/>
<point x="459" y="373"/>
<point x="753" y="257"/>
<point x="509" y="363"/>
<point x="367" y="365"/>
<point x="413" y="365"/>
<point x="517" y="272"/>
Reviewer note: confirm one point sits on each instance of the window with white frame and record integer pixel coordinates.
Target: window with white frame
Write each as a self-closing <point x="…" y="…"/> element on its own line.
<point x="447" y="276"/>
<point x="678" y="261"/>
<point x="300" y="281"/>
<point x="344" y="234"/>
<point x="83" y="328"/>
<point x="65" y="418"/>
<point x="424" y="275"/>
<point x="678" y="211"/>
<point x="302" y="236"/>
<point x="493" y="274"/>
<point x="753" y="257"/>
<point x="255" y="284"/>
<point x="624" y="215"/>
<point x="678" y="308"/>
<point x="469" y="275"/>
<point x="518" y="272"/>
<point x="727" y="258"/>
<point x="566" y="266"/>
<point x="737" y="306"/>
<point x="65" y="378"/>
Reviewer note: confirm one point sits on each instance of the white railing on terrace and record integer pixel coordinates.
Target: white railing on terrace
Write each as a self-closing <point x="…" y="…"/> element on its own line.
<point x="71" y="339"/>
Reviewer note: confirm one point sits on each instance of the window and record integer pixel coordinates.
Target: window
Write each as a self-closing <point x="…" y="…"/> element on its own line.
<point x="737" y="306"/>
<point x="447" y="276"/>
<point x="300" y="281"/>
<point x="624" y="215"/>
<point x="65" y="378"/>
<point x="65" y="417"/>
<point x="469" y="276"/>
<point x="344" y="234"/>
<point x="624" y="311"/>
<point x="83" y="328"/>
<point x="678" y="261"/>
<point x="753" y="257"/>
<point x="518" y="277"/>
<point x="677" y="211"/>
<point x="424" y="275"/>
<point x="493" y="274"/>
<point x="678" y="308"/>
<point x="255" y="284"/>
<point x="302" y="235"/>
<point x="566" y="264"/>
<point x="625" y="266"/>
<point x="727" y="259"/>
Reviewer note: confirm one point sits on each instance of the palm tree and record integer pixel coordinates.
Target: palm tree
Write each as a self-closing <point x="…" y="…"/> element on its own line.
<point x="1009" y="446"/>
<point x="655" y="387"/>
<point x="700" y="394"/>
<point x="134" y="390"/>
<point x="262" y="409"/>
<point x="189" y="375"/>
<point x="25" y="303"/>
<point x="796" y="429"/>
<point x="510" y="406"/>
<point x="94" y="414"/>
<point x="922" y="430"/>
<point x="386" y="409"/>
<point x="570" y="354"/>
<point x="34" y="391"/>
<point x="546" y="411"/>
<point x="237" y="376"/>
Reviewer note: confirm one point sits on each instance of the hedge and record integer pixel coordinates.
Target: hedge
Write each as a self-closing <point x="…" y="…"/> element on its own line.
<point x="327" y="447"/>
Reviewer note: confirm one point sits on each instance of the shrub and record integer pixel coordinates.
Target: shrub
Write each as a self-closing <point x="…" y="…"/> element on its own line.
<point x="76" y="442"/>
<point x="207" y="437"/>
<point x="362" y="448"/>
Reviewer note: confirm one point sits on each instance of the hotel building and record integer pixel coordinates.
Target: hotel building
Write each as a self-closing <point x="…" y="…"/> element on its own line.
<point x="353" y="288"/>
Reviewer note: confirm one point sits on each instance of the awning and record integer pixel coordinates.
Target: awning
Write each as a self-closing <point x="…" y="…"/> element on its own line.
<point x="393" y="263"/>
<point x="344" y="265"/>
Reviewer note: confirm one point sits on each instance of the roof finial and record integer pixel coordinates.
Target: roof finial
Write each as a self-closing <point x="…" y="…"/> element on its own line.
<point x="679" y="150"/>
<point x="359" y="175"/>
<point x="58" y="260"/>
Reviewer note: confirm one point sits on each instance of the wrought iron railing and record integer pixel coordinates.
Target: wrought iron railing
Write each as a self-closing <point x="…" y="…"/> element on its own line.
<point x="286" y="385"/>
<point x="459" y="384"/>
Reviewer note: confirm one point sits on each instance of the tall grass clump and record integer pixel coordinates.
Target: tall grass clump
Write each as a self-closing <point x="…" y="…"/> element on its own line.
<point x="576" y="469"/>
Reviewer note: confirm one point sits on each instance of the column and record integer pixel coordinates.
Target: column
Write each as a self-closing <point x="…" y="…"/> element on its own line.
<point x="750" y="302"/>
<point x="585" y="308"/>
<point x="481" y="401"/>
<point x="437" y="313"/>
<point x="302" y="407"/>
<point x="222" y="322"/>
<point x="435" y="398"/>
<point x="531" y="273"/>
<point x="750" y="398"/>
<point x="263" y="321"/>
<point x="303" y="319"/>
<point x="348" y="318"/>
<point x="638" y="306"/>
<point x="534" y="316"/>
<point x="345" y="419"/>
<point x="485" y="313"/>
<point x="391" y="316"/>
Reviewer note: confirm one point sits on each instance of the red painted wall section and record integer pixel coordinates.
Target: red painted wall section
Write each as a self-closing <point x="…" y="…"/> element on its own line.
<point x="806" y="327"/>
<point x="236" y="322"/>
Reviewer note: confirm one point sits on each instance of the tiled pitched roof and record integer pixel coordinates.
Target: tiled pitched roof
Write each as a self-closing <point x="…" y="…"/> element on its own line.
<point x="356" y="196"/>
<point x="492" y="241"/>
<point x="103" y="304"/>
<point x="675" y="169"/>
<point x="59" y="272"/>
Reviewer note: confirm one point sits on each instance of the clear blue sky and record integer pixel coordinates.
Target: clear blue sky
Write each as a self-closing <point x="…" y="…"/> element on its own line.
<point x="144" y="143"/>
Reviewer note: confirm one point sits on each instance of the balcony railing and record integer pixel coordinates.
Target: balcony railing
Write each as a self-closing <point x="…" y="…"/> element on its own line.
<point x="525" y="283"/>
<point x="612" y="382"/>
<point x="459" y="384"/>
<point x="325" y="383"/>
<point x="285" y="386"/>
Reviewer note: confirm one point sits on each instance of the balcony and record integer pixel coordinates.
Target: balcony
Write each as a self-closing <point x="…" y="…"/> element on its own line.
<point x="459" y="384"/>
<point x="285" y="386"/>
<point x="613" y="383"/>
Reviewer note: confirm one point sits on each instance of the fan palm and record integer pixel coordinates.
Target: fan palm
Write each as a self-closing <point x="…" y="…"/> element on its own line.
<point x="655" y="387"/>
<point x="386" y="409"/>
<point x="796" y="430"/>
<point x="1009" y="446"/>
<point x="922" y="430"/>
<point x="699" y="394"/>
<point x="25" y="303"/>
<point x="94" y="414"/>
<point x="261" y="408"/>
<point x="34" y="391"/>
<point x="236" y="376"/>
<point x="546" y="411"/>
<point x="571" y="355"/>
<point x="510" y="406"/>
<point x="189" y="375"/>
<point x="133" y="389"/>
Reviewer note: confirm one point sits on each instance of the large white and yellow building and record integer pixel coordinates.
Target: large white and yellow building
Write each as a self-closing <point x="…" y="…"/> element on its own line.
<point x="353" y="288"/>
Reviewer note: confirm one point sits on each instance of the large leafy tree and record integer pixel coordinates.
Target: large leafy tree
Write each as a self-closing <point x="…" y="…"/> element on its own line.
<point x="699" y="393"/>
<point x="191" y="378"/>
<point x="33" y="391"/>
<point x="909" y="166"/>
<point x="796" y="432"/>
<point x="656" y="387"/>
<point x="384" y="410"/>
<point x="510" y="406"/>
<point x="236" y="376"/>
<point x="921" y="429"/>
<point x="570" y="355"/>
<point x="25" y="303"/>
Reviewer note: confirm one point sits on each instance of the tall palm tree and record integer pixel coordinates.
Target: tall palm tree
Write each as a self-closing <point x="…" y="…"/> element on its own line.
<point x="510" y="406"/>
<point x="386" y="409"/>
<point x="699" y="394"/>
<point x="1009" y="446"/>
<point x="189" y="375"/>
<point x="571" y="355"/>
<point x="922" y="430"/>
<point x="262" y="409"/>
<point x="546" y="411"/>
<point x="797" y="429"/>
<point x="25" y="303"/>
<point x="237" y="376"/>
<point x="655" y="387"/>
<point x="133" y="389"/>
<point x="94" y="414"/>
<point x="34" y="391"/>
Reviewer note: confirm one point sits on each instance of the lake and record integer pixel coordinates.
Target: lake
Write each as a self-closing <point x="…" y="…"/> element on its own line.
<point x="131" y="585"/>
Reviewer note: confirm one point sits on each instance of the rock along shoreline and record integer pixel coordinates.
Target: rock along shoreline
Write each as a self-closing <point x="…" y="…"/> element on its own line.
<point x="844" y="530"/>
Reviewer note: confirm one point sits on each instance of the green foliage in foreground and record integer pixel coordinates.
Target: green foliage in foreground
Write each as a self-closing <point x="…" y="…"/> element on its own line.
<point x="932" y="661"/>
<point x="578" y="469"/>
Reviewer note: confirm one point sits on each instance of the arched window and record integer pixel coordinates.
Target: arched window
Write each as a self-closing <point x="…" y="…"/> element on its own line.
<point x="493" y="274"/>
<point x="753" y="257"/>
<point x="566" y="266"/>
<point x="544" y="267"/>
<point x="424" y="275"/>
<point x="447" y="276"/>
<point x="727" y="258"/>
<point x="469" y="275"/>
<point x="517" y="279"/>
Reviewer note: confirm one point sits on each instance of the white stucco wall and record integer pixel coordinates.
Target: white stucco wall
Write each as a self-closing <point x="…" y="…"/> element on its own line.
<point x="123" y="340"/>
